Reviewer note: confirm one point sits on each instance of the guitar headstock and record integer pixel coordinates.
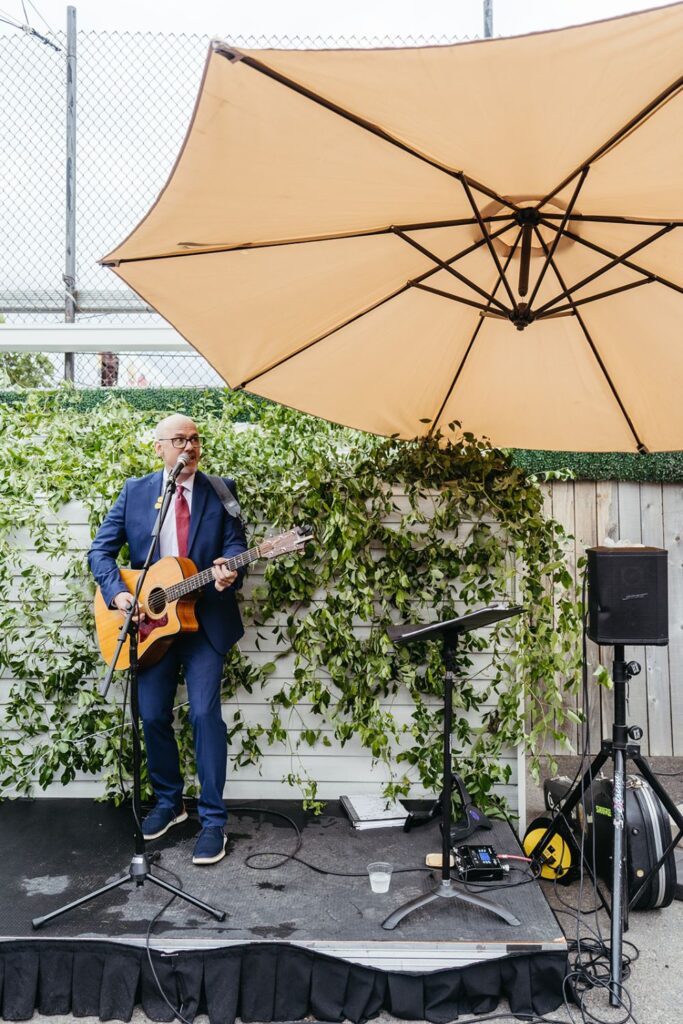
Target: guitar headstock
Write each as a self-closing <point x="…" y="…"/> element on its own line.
<point x="292" y="540"/>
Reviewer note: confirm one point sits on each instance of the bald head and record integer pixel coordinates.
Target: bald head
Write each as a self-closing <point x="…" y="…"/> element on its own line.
<point x="174" y="426"/>
<point x="177" y="427"/>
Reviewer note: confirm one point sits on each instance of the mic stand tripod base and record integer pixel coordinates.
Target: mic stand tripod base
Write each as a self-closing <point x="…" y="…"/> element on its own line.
<point x="138" y="872"/>
<point x="446" y="890"/>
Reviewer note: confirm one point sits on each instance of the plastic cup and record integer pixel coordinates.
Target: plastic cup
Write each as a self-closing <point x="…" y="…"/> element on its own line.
<point x="380" y="876"/>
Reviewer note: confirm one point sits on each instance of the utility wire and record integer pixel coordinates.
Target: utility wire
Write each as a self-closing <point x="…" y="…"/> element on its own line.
<point x="27" y="29"/>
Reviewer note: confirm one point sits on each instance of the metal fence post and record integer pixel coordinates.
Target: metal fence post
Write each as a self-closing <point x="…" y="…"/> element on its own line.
<point x="488" y="19"/>
<point x="128" y="141"/>
<point x="70" y="238"/>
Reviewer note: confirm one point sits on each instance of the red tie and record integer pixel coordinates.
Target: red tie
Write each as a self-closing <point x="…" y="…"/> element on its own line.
<point x="182" y="521"/>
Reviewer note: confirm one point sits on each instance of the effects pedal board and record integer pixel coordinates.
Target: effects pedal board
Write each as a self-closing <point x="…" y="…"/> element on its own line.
<point x="478" y="864"/>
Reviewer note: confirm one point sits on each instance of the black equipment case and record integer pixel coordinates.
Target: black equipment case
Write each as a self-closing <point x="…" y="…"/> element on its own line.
<point x="648" y="834"/>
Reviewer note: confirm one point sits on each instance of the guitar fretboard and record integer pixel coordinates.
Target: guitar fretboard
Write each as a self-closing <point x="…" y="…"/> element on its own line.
<point x="200" y="579"/>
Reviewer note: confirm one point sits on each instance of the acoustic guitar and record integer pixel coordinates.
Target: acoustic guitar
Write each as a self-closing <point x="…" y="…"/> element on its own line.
<point x="169" y="595"/>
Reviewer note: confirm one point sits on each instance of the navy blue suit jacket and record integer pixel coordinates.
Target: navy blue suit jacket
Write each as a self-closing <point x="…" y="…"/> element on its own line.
<point x="213" y="532"/>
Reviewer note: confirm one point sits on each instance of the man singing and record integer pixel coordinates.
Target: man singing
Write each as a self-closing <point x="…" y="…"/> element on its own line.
<point x="197" y="526"/>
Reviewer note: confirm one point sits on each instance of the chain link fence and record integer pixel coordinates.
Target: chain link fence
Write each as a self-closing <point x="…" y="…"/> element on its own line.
<point x="32" y="158"/>
<point x="135" y="96"/>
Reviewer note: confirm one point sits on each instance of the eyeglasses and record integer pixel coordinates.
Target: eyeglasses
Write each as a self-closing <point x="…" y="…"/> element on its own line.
<point x="180" y="442"/>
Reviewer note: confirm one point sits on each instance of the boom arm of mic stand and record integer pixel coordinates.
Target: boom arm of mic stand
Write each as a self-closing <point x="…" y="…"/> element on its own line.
<point x="125" y="628"/>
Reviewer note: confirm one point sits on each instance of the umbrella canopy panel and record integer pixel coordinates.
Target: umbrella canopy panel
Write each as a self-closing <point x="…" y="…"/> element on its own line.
<point x="486" y="235"/>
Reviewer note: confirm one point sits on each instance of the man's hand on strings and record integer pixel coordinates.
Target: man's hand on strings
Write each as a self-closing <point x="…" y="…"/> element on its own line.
<point x="123" y="601"/>
<point x="223" y="576"/>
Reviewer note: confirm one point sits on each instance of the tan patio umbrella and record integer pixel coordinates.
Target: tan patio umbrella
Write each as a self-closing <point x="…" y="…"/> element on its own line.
<point x="396" y="239"/>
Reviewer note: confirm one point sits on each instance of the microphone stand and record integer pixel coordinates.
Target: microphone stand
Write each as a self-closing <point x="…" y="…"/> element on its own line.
<point x="139" y="867"/>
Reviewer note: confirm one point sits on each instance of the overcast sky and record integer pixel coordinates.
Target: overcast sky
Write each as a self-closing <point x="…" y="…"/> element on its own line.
<point x="335" y="18"/>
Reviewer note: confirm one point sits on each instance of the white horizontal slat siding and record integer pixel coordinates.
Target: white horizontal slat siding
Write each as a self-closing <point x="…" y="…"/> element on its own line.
<point x="335" y="768"/>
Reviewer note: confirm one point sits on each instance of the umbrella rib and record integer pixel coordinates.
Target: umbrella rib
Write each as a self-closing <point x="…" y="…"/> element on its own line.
<point x="570" y="307"/>
<point x="234" y="56"/>
<point x="472" y="340"/>
<point x="464" y="252"/>
<point x="416" y="281"/>
<point x="603" y="270"/>
<point x="458" y="298"/>
<point x="387" y="298"/>
<point x="586" y="333"/>
<point x="462" y="222"/>
<point x="446" y="266"/>
<point x="321" y="337"/>
<point x="618" y="136"/>
<point x="487" y="239"/>
<point x="650" y="274"/>
<point x="209" y="250"/>
<point x="594" y="218"/>
<point x="558" y="235"/>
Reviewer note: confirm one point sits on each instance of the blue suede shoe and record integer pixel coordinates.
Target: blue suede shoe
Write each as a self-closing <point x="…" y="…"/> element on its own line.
<point x="160" y="819"/>
<point x="210" y="846"/>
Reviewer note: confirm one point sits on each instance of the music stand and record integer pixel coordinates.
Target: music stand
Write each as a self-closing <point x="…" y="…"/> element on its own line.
<point x="449" y="632"/>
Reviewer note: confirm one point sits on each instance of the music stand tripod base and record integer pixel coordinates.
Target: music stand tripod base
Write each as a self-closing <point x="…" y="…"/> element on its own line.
<point x="449" y="632"/>
<point x="446" y="890"/>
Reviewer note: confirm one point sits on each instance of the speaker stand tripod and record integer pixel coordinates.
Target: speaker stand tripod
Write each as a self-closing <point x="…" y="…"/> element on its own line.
<point x="618" y="750"/>
<point x="448" y="632"/>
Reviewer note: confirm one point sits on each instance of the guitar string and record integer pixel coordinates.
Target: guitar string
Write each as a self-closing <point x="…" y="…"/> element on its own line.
<point x="158" y="599"/>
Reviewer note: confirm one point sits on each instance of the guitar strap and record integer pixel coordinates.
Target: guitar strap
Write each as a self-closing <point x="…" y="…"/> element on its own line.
<point x="227" y="498"/>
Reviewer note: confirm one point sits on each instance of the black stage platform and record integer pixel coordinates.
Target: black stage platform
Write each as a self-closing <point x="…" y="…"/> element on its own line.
<point x="294" y="942"/>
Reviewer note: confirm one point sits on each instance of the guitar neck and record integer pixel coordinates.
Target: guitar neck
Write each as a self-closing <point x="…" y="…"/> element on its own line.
<point x="200" y="579"/>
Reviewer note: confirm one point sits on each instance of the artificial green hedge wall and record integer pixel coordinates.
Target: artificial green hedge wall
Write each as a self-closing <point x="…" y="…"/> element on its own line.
<point x="666" y="467"/>
<point x="184" y="400"/>
<point x="658" y="467"/>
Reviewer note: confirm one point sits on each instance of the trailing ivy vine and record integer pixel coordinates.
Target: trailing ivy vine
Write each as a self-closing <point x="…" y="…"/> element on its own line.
<point x="470" y="530"/>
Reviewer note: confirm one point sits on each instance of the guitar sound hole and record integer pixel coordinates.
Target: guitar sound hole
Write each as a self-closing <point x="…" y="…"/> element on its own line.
<point x="156" y="600"/>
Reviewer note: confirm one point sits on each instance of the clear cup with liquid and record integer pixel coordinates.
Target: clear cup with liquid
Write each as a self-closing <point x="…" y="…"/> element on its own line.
<point x="380" y="876"/>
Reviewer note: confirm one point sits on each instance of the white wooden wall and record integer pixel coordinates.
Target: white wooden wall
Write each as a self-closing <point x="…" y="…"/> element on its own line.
<point x="337" y="770"/>
<point x="646" y="513"/>
<point x="590" y="511"/>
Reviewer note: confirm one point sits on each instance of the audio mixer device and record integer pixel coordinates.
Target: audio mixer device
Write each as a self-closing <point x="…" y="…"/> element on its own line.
<point x="478" y="864"/>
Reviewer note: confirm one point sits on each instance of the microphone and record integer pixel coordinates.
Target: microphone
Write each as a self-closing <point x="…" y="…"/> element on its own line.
<point x="183" y="460"/>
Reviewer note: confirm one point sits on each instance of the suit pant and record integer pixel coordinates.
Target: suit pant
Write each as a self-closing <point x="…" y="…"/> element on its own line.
<point x="203" y="668"/>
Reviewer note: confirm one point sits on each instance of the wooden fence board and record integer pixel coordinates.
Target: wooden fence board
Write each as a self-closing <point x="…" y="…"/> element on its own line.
<point x="586" y="519"/>
<point x="631" y="531"/>
<point x="655" y="660"/>
<point x="651" y="514"/>
<point x="563" y="512"/>
<point x="607" y="494"/>
<point x="673" y="542"/>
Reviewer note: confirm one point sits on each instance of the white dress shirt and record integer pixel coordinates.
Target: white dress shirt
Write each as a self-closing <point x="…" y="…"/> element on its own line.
<point x="168" y="540"/>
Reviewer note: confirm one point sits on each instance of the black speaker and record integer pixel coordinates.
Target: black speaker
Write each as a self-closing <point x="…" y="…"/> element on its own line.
<point x="627" y="596"/>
